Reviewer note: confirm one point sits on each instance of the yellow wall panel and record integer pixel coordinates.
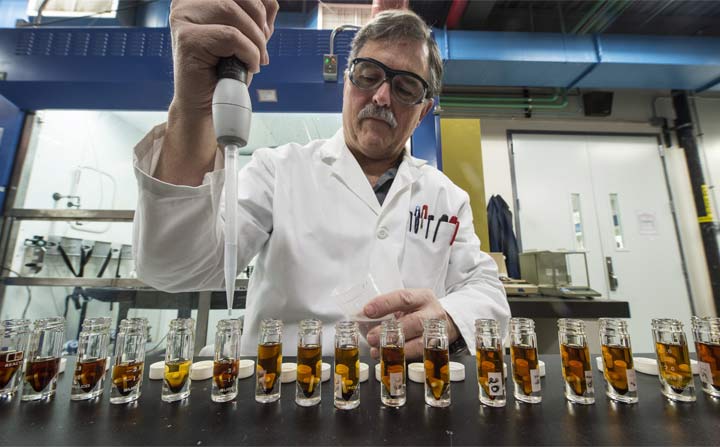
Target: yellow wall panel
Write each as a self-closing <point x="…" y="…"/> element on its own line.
<point x="462" y="163"/>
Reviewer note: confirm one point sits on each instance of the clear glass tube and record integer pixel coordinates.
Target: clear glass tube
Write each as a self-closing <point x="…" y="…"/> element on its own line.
<point x="43" y="359"/>
<point x="392" y="364"/>
<point x="269" y="361"/>
<point x="575" y="357"/>
<point x="618" y="367"/>
<point x="524" y="358"/>
<point x="14" y="337"/>
<point x="89" y="376"/>
<point x="226" y="364"/>
<point x="489" y="357"/>
<point x="706" y="331"/>
<point x="129" y="360"/>
<point x="178" y="359"/>
<point x="673" y="360"/>
<point x="347" y="365"/>
<point x="309" y="363"/>
<point x="436" y="357"/>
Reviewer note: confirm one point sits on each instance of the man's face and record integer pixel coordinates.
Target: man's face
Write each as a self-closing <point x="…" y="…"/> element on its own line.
<point x="374" y="138"/>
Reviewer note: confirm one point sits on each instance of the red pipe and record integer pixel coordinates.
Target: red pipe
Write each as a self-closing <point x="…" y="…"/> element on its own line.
<point x="457" y="9"/>
<point x="383" y="5"/>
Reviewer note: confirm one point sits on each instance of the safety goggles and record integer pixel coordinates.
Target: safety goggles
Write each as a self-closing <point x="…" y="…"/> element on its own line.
<point x="369" y="74"/>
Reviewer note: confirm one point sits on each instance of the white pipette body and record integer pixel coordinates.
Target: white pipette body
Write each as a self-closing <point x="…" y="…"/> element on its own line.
<point x="232" y="112"/>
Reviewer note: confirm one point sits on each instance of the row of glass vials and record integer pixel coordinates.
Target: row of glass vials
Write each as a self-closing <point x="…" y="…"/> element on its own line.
<point x="32" y="356"/>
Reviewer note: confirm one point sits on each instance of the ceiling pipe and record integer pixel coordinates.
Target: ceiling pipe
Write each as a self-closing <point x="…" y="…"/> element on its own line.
<point x="581" y="23"/>
<point x="623" y="7"/>
<point x="455" y="14"/>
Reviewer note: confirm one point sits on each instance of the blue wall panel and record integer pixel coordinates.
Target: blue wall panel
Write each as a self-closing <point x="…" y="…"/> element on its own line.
<point x="11" y="122"/>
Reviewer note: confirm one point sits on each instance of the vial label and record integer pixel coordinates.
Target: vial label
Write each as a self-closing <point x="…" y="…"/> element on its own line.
<point x="589" y="381"/>
<point x="631" y="380"/>
<point x="396" y="382"/>
<point x="338" y="386"/>
<point x="705" y="373"/>
<point x="495" y="384"/>
<point x="535" y="380"/>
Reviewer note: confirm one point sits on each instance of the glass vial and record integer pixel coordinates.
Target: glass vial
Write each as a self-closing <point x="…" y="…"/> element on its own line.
<point x="673" y="360"/>
<point x="436" y="357"/>
<point x="706" y="331"/>
<point x="618" y="367"/>
<point x="309" y="363"/>
<point x="489" y="357"/>
<point x="14" y="336"/>
<point x="392" y="364"/>
<point x="575" y="357"/>
<point x="129" y="360"/>
<point x="93" y="341"/>
<point x="347" y="365"/>
<point x="226" y="363"/>
<point x="43" y="359"/>
<point x="178" y="359"/>
<point x="269" y="361"/>
<point x="524" y="359"/>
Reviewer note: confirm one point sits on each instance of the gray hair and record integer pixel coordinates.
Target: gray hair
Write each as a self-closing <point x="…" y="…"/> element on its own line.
<point x="401" y="24"/>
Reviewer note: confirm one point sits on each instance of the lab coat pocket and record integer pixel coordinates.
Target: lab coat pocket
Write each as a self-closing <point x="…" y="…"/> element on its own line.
<point x="424" y="262"/>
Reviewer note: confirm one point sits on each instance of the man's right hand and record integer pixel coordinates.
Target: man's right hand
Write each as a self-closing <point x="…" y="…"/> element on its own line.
<point x="203" y="31"/>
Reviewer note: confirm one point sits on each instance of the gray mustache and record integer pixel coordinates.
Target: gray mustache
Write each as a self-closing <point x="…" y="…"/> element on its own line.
<point x="382" y="113"/>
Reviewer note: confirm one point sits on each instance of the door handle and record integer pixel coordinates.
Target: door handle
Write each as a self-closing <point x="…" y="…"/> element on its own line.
<point x="612" y="278"/>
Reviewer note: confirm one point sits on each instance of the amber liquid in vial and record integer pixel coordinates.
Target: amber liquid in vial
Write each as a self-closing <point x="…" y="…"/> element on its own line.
<point x="127" y="376"/>
<point x="575" y="361"/>
<point x="710" y="354"/>
<point x="617" y="361"/>
<point x="88" y="373"/>
<point x="392" y="361"/>
<point x="347" y="366"/>
<point x="269" y="366"/>
<point x="437" y="371"/>
<point x="489" y="361"/>
<point x="10" y="363"/>
<point x="41" y="372"/>
<point x="309" y="369"/>
<point x="225" y="373"/>
<point x="524" y="360"/>
<point x="176" y="374"/>
<point x="674" y="365"/>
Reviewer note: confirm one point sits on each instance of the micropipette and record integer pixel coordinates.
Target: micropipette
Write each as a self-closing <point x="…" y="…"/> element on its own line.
<point x="232" y="111"/>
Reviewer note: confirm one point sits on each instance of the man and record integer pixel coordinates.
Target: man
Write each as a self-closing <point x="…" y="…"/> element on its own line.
<point x="324" y="216"/>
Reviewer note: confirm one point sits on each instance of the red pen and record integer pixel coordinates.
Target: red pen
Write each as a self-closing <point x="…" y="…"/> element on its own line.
<point x="423" y="215"/>
<point x="454" y="220"/>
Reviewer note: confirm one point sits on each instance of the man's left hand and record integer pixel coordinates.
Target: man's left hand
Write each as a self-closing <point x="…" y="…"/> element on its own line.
<point x="410" y="307"/>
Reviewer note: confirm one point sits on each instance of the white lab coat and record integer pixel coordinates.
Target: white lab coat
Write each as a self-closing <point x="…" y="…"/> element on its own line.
<point x="311" y="216"/>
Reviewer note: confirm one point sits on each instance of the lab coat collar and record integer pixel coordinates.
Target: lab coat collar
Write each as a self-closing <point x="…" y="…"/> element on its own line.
<point x="343" y="164"/>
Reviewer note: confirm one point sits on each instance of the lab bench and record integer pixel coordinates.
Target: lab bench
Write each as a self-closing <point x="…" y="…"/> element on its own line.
<point x="198" y="421"/>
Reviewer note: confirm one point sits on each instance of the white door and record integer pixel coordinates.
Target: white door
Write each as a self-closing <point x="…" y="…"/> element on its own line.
<point x="606" y="195"/>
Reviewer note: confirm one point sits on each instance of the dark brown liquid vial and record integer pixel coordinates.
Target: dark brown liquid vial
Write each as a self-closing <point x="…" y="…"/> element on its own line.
<point x="41" y="372"/>
<point x="88" y="373"/>
<point x="347" y="365"/>
<point x="710" y="354"/>
<point x="309" y="369"/>
<point x="10" y="363"/>
<point x="126" y="376"/>
<point x="225" y="373"/>
<point x="269" y="366"/>
<point x="617" y="361"/>
<point x="489" y="361"/>
<point x="524" y="360"/>
<point x="392" y="360"/>
<point x="575" y="361"/>
<point x="674" y="365"/>
<point x="437" y="370"/>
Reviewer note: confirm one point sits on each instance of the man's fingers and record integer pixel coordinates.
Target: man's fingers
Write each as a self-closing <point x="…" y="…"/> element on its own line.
<point x="404" y="300"/>
<point x="414" y="349"/>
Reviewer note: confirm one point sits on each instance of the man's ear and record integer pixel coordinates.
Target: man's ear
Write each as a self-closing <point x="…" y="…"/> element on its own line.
<point x="427" y="106"/>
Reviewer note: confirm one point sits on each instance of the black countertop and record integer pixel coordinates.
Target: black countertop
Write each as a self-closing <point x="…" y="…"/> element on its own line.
<point x="199" y="421"/>
<point x="537" y="306"/>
